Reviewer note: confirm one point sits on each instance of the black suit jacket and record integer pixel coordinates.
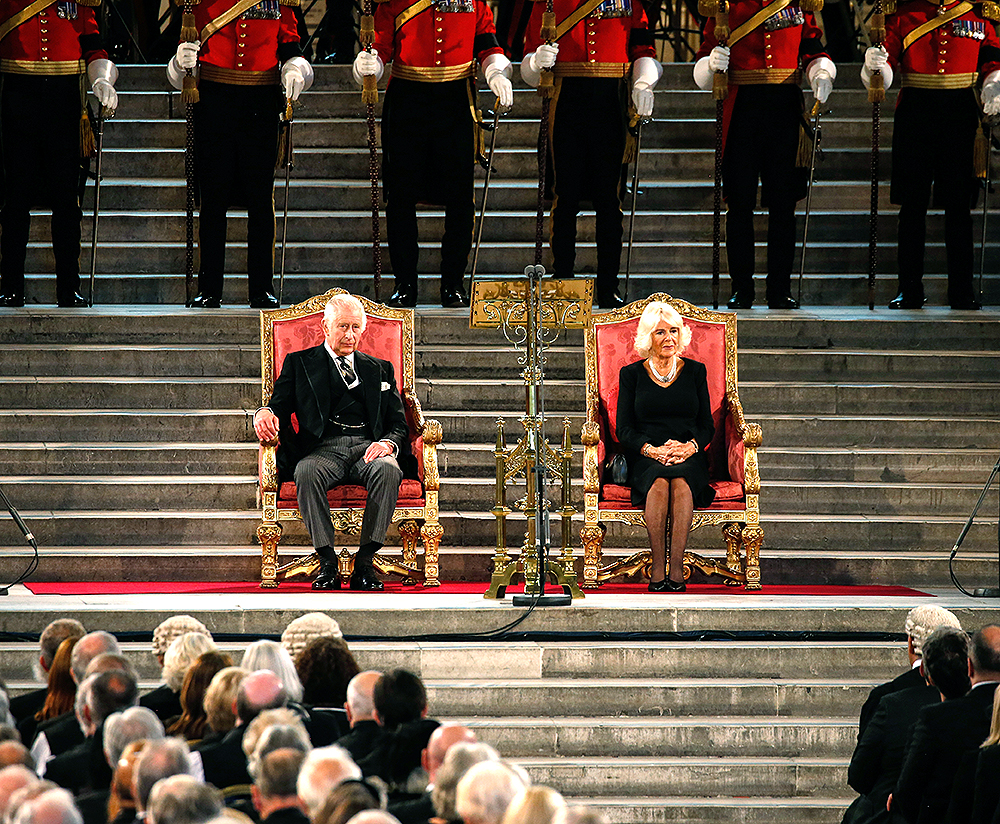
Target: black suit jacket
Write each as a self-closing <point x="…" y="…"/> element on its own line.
<point x="942" y="736"/>
<point x="27" y="704"/>
<point x="163" y="701"/>
<point x="305" y="389"/>
<point x="903" y="681"/>
<point x="83" y="768"/>
<point x="287" y="815"/>
<point x="62" y="732"/>
<point x="224" y="761"/>
<point x="414" y="811"/>
<point x="363" y="738"/>
<point x="986" y="801"/>
<point x="878" y="757"/>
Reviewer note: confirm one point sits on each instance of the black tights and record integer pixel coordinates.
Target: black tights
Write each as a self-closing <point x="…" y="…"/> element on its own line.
<point x="668" y="503"/>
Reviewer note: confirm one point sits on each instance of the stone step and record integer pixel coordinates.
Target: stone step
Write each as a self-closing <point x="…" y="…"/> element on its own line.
<point x="212" y="360"/>
<point x="875" y="465"/>
<point x="702" y="810"/>
<point x="112" y="459"/>
<point x="567" y="659"/>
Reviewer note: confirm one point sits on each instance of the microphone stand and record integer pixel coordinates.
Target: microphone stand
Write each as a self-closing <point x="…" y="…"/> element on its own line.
<point x="33" y="565"/>
<point x="979" y="592"/>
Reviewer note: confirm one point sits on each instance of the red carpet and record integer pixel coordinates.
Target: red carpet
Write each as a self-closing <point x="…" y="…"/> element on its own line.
<point x="447" y="588"/>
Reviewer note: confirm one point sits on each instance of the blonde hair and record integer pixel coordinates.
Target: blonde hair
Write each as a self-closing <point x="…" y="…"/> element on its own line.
<point x="648" y="321"/>
<point x="338" y="304"/>
<point x="534" y="805"/>
<point x="220" y="697"/>
<point x="994" y="737"/>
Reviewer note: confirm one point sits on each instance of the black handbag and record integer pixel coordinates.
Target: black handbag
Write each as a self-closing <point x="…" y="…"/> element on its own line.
<point x="617" y="470"/>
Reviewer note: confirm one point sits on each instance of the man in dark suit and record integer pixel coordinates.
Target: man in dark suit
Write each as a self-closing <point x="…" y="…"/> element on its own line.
<point x="351" y="427"/>
<point x="878" y="758"/>
<point x="945" y="732"/>
<point x="360" y="705"/>
<point x="274" y="793"/>
<point x="421" y="809"/>
<point x="920" y="623"/>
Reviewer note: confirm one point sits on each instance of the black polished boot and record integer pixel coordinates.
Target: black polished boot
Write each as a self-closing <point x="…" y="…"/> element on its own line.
<point x="405" y="297"/>
<point x="454" y="297"/>
<point x="364" y="578"/>
<point x="328" y="577"/>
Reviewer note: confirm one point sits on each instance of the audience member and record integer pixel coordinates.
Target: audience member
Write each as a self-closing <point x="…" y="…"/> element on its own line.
<point x="986" y="794"/>
<point x="348" y="799"/>
<point x="181" y="799"/>
<point x="323" y="770"/>
<point x="121" y="800"/>
<point x="920" y="623"/>
<point x="61" y="692"/>
<point x="485" y="792"/>
<point x="220" y="703"/>
<point x="12" y="779"/>
<point x="400" y="709"/>
<point x="193" y="719"/>
<point x="325" y="667"/>
<point x="534" y="805"/>
<point x="122" y="728"/>
<point x="22" y="796"/>
<point x="53" y="806"/>
<point x="421" y="809"/>
<point x="224" y="761"/>
<point x="360" y="706"/>
<point x="8" y="732"/>
<point x="459" y="760"/>
<point x="6" y="719"/>
<point x="373" y="817"/>
<point x="85" y="767"/>
<point x="158" y="760"/>
<point x="307" y="628"/>
<point x="164" y="700"/>
<point x="26" y="705"/>
<point x="270" y="655"/>
<point x="274" y="792"/>
<point x="14" y="752"/>
<point x="945" y="732"/>
<point x="273" y="730"/>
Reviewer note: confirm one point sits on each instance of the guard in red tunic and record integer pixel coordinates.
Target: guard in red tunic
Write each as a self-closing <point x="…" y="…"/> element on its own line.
<point x="768" y="45"/>
<point x="430" y="128"/>
<point x="597" y="42"/>
<point x="248" y="62"/>
<point x="49" y="53"/>
<point x="938" y="50"/>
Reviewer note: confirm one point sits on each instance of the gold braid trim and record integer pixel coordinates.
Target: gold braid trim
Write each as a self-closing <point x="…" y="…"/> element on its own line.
<point x="991" y="11"/>
<point x="293" y="3"/>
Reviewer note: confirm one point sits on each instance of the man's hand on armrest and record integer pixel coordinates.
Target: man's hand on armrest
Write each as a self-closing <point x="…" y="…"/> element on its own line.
<point x="265" y="424"/>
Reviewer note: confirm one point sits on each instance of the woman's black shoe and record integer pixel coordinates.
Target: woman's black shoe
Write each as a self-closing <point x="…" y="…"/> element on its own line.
<point x="666" y="585"/>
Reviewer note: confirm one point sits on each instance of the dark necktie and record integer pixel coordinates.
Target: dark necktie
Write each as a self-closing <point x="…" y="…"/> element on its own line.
<point x="346" y="371"/>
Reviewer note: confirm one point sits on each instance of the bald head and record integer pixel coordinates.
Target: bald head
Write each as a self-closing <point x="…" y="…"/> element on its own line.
<point x="360" y="704"/>
<point x="443" y="739"/>
<point x="14" y="752"/>
<point x="259" y="691"/>
<point x="13" y="779"/>
<point x="985" y="654"/>
<point x="51" y="807"/>
<point x="88" y="648"/>
<point x="373" y="817"/>
<point x="324" y="769"/>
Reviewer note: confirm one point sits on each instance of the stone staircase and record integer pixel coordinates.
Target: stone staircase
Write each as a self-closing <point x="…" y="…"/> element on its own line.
<point x="141" y="257"/>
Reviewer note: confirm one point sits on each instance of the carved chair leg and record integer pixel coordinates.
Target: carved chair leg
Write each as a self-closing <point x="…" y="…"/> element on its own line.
<point x="732" y="534"/>
<point x="268" y="534"/>
<point x="431" y="534"/>
<point x="409" y="532"/>
<point x="592" y="538"/>
<point x="753" y="540"/>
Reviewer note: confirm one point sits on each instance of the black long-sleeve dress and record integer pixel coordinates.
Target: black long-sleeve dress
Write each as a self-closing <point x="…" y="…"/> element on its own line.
<point x="653" y="414"/>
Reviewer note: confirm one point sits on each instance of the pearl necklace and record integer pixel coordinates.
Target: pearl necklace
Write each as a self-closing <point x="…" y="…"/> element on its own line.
<point x="661" y="378"/>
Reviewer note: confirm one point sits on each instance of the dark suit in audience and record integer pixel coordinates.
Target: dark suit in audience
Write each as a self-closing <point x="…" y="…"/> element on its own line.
<point x="362" y="739"/>
<point x="224" y="761"/>
<point x="83" y="768"/>
<point x="878" y="757"/>
<point x="415" y="810"/>
<point x="62" y="732"/>
<point x="27" y="704"/>
<point x="943" y="734"/>
<point x="986" y="798"/>
<point x="163" y="701"/>
<point x="287" y="815"/>
<point x="910" y="678"/>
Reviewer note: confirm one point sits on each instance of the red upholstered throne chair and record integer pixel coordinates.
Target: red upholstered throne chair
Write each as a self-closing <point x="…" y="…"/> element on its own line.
<point x="732" y="455"/>
<point x="389" y="335"/>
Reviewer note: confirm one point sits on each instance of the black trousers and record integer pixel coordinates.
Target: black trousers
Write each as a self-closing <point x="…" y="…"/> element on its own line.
<point x="588" y="144"/>
<point x="761" y="145"/>
<point x="428" y="156"/>
<point x="940" y="161"/>
<point x="40" y="134"/>
<point x="236" y="147"/>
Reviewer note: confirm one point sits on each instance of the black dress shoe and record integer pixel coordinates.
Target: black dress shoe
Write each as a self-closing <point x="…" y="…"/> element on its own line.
<point x="610" y="300"/>
<point x="784" y="302"/>
<point x="666" y="585"/>
<point x="403" y="298"/>
<point x="904" y="301"/>
<point x="741" y="300"/>
<point x="205" y="301"/>
<point x="12" y="300"/>
<point x="73" y="301"/>
<point x="365" y="580"/>
<point x="265" y="300"/>
<point x="971" y="304"/>
<point x="329" y="577"/>
<point x="454" y="297"/>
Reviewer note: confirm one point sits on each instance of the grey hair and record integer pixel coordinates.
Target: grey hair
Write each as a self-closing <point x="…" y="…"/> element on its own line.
<point x="457" y="761"/>
<point x="159" y="760"/>
<point x="485" y="792"/>
<point x="55" y="806"/>
<point x="270" y="655"/>
<point x="277" y="737"/>
<point x="88" y="648"/>
<point x="133" y="724"/>
<point x="181" y="799"/>
<point x="649" y="319"/>
<point x="57" y="632"/>
<point x="323" y="769"/>
<point x="181" y="654"/>
<point x="174" y="627"/>
<point x="339" y="303"/>
<point x="306" y="628"/>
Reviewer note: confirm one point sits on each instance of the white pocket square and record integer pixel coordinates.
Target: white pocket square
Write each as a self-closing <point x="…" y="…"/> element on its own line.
<point x="385" y="386"/>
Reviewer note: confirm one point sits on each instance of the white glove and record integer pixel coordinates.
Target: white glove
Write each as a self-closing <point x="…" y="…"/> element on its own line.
<point x="991" y="94"/>
<point x="718" y="59"/>
<point x="501" y="87"/>
<point x="646" y="72"/>
<point x="106" y="93"/>
<point x="544" y="57"/>
<point x="876" y="59"/>
<point x="822" y="84"/>
<point x="642" y="99"/>
<point x="187" y="54"/>
<point x="103" y="74"/>
<point x="367" y="63"/>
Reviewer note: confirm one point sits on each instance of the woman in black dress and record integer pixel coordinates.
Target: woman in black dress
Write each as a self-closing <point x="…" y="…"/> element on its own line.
<point x="664" y="424"/>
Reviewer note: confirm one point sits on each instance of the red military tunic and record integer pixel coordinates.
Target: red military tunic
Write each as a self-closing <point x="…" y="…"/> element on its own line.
<point x="597" y="46"/>
<point x="950" y="56"/>
<point x="433" y="45"/>
<point x="248" y="49"/>
<point x="60" y="39"/>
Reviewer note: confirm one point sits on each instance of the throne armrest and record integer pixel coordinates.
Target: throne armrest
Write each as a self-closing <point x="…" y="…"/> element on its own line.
<point x="267" y="466"/>
<point x="591" y="438"/>
<point x="752" y="437"/>
<point x="431" y="433"/>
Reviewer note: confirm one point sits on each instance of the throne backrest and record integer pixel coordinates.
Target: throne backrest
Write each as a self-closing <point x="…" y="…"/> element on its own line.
<point x="713" y="343"/>
<point x="388" y="335"/>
